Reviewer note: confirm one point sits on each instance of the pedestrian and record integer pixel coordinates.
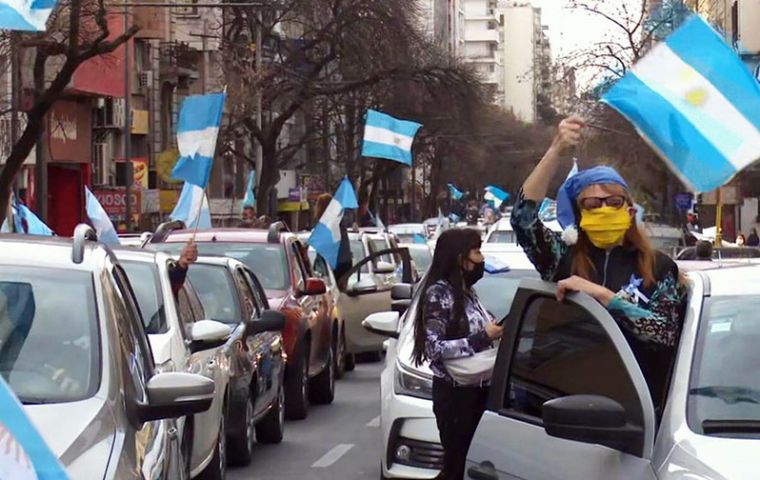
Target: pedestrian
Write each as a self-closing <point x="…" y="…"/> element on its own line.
<point x="753" y="240"/>
<point x="704" y="251"/>
<point x="741" y="240"/>
<point x="453" y="324"/>
<point x="604" y="254"/>
<point x="248" y="218"/>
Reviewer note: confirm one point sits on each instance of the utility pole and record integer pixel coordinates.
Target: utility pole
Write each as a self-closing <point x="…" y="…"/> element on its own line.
<point x="15" y="88"/>
<point x="127" y="134"/>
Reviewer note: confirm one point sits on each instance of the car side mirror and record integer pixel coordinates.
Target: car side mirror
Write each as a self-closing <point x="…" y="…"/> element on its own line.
<point x="593" y="419"/>
<point x="362" y="287"/>
<point x="383" y="323"/>
<point x="401" y="291"/>
<point x="314" y="286"/>
<point x="270" y="321"/>
<point x="384" y="267"/>
<point x="176" y="394"/>
<point x="207" y="334"/>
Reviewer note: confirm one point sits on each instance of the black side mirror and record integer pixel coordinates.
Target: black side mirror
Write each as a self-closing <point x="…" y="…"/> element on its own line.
<point x="593" y="419"/>
<point x="401" y="291"/>
<point x="270" y="321"/>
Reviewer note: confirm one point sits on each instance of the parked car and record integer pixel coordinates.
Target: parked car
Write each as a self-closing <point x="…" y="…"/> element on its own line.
<point x="280" y="262"/>
<point x="74" y="351"/>
<point x="409" y="232"/>
<point x="568" y="399"/>
<point x="724" y="253"/>
<point x="411" y="444"/>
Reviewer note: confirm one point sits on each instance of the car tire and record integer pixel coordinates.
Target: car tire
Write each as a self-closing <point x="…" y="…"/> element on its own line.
<point x="271" y="428"/>
<point x="297" y="386"/>
<point x="322" y="388"/>
<point x="339" y="355"/>
<point x="240" y="447"/>
<point x="217" y="469"/>
<point x="350" y="362"/>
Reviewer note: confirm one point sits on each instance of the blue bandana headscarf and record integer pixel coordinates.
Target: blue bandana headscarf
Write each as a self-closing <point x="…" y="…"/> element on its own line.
<point x="573" y="186"/>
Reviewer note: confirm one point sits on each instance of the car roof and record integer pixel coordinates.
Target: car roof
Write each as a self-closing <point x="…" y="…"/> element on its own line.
<point x="242" y="235"/>
<point x="738" y="279"/>
<point x="138" y="254"/>
<point x="48" y="252"/>
<point x="415" y="246"/>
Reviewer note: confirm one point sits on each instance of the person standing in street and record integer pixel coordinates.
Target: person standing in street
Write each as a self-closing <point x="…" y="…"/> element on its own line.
<point x="453" y="324"/>
<point x="753" y="240"/>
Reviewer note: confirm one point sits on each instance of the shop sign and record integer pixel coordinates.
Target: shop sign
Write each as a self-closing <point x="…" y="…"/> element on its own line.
<point x="114" y="200"/>
<point x="140" y="172"/>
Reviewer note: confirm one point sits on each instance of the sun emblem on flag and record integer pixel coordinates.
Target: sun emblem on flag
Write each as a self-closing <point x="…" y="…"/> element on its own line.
<point x="696" y="94"/>
<point x="397" y="141"/>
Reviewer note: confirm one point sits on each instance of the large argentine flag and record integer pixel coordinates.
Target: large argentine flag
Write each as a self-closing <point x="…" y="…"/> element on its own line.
<point x="28" y="15"/>
<point x="696" y="103"/>
<point x="100" y="219"/>
<point x="192" y="207"/>
<point x="197" y="130"/>
<point x="388" y="137"/>
<point x="325" y="238"/>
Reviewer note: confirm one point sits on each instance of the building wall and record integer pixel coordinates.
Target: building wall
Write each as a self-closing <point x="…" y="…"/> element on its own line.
<point x="519" y="60"/>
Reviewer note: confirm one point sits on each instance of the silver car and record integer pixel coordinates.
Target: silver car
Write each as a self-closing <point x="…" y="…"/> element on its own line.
<point x="73" y="349"/>
<point x="569" y="401"/>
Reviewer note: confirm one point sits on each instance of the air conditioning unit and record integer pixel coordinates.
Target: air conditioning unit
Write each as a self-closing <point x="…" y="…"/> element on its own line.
<point x="747" y="26"/>
<point x="145" y="78"/>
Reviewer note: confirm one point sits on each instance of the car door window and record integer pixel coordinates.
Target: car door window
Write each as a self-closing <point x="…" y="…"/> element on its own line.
<point x="561" y="350"/>
<point x="187" y="316"/>
<point x="321" y="270"/>
<point x="298" y="268"/>
<point x="245" y="294"/>
<point x="259" y="295"/>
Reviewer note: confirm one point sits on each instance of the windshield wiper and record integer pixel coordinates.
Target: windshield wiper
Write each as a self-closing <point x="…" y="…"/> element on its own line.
<point x="729" y="394"/>
<point x="730" y="426"/>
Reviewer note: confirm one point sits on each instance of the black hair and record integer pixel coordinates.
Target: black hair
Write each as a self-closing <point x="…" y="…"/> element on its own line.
<point x="452" y="246"/>
<point x="704" y="250"/>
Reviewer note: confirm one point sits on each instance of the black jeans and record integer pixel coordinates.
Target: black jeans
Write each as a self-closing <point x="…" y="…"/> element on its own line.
<point x="457" y="413"/>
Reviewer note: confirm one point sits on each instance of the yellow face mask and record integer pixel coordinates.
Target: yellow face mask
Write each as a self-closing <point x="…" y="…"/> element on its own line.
<point x="605" y="226"/>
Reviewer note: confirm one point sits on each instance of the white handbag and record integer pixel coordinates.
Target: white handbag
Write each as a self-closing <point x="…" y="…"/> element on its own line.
<point x="474" y="370"/>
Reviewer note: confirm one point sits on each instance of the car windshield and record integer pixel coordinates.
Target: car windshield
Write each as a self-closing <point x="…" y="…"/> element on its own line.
<point x="216" y="291"/>
<point x="502" y="236"/>
<point x="422" y="258"/>
<point x="49" y="347"/>
<point x="409" y="237"/>
<point x="144" y="280"/>
<point x="724" y="390"/>
<point x="267" y="260"/>
<point x="496" y="292"/>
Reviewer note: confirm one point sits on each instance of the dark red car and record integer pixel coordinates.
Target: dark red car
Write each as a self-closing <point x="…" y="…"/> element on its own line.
<point x="313" y="331"/>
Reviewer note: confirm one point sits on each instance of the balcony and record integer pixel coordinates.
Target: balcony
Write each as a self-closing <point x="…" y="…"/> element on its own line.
<point x="179" y="60"/>
<point x="488" y="36"/>
<point x="483" y="60"/>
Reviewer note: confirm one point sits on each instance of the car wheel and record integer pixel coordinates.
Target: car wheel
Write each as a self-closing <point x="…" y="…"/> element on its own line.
<point x="339" y="355"/>
<point x="272" y="427"/>
<point x="241" y="446"/>
<point x="217" y="469"/>
<point x="350" y="362"/>
<point x="323" y="385"/>
<point x="297" y="387"/>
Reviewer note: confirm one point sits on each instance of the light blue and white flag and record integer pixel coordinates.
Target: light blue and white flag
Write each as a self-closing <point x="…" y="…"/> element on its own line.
<point x="496" y="195"/>
<point x="100" y="219"/>
<point x="494" y="265"/>
<point x="31" y="223"/>
<point x="250" y="198"/>
<point x="456" y="194"/>
<point x="197" y="131"/>
<point x="376" y="220"/>
<point x="192" y="207"/>
<point x="24" y="454"/>
<point x="695" y="102"/>
<point x="325" y="238"/>
<point x="388" y="137"/>
<point x="27" y="15"/>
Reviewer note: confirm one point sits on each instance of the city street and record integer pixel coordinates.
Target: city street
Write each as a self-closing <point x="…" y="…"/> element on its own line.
<point x="338" y="441"/>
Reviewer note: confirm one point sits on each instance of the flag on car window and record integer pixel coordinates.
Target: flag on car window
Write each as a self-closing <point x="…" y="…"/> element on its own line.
<point x="692" y="98"/>
<point x="388" y="137"/>
<point x="192" y="207"/>
<point x="197" y="131"/>
<point x="100" y="219"/>
<point x="250" y="198"/>
<point x="27" y="15"/>
<point x="325" y="238"/>
<point x="24" y="454"/>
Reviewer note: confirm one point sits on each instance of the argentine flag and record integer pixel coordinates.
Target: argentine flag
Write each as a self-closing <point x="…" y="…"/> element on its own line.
<point x="695" y="102"/>
<point x="250" y="198"/>
<point x="192" y="207"/>
<point x="27" y="15"/>
<point x="496" y="195"/>
<point x="100" y="219"/>
<point x="197" y="130"/>
<point x="325" y="238"/>
<point x="456" y="194"/>
<point x="388" y="137"/>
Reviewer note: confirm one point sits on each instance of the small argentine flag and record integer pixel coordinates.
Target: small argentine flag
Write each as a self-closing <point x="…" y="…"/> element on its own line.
<point x="695" y="102"/>
<point x="496" y="195"/>
<point x="27" y="15"/>
<point x="192" y="207"/>
<point x="197" y="130"/>
<point x="456" y="194"/>
<point x="250" y="198"/>
<point x="325" y="238"/>
<point x="388" y="137"/>
<point x="100" y="219"/>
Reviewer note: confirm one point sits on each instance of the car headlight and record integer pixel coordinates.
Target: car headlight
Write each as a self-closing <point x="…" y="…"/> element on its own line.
<point x="411" y="382"/>
<point x="167" y="366"/>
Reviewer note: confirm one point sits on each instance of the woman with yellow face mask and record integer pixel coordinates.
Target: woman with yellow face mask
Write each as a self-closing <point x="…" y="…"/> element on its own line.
<point x="603" y="253"/>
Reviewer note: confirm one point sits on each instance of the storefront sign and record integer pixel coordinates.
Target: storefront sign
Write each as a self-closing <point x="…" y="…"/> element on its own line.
<point x="684" y="200"/>
<point x="114" y="202"/>
<point x="728" y="196"/>
<point x="140" y="172"/>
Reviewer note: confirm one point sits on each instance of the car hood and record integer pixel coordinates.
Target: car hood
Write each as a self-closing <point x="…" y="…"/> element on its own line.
<point x="713" y="458"/>
<point x="80" y="434"/>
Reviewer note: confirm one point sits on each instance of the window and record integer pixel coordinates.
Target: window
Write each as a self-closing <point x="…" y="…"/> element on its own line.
<point x="357" y="254"/>
<point x="258" y="293"/>
<point x="298" y="268"/>
<point x="245" y="294"/>
<point x="144" y="280"/>
<point x="217" y="292"/>
<point x="185" y="312"/>
<point x="562" y="350"/>
<point x="502" y="236"/>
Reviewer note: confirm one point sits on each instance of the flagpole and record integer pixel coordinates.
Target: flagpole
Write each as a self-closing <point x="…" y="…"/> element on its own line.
<point x="718" y="218"/>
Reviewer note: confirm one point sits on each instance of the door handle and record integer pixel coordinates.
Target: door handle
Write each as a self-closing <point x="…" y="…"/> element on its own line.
<point x="484" y="471"/>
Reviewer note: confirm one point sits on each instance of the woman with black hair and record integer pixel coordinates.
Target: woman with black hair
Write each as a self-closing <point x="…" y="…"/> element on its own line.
<point x="454" y="324"/>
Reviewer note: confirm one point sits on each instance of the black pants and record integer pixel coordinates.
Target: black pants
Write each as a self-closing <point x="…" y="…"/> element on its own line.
<point x="457" y="413"/>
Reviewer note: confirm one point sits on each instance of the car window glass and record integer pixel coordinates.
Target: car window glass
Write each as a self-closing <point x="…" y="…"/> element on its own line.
<point x="144" y="280"/>
<point x="195" y="302"/>
<point x="321" y="270"/>
<point x="563" y="350"/>
<point x="379" y="245"/>
<point x="298" y="268"/>
<point x="357" y="254"/>
<point x="185" y="312"/>
<point x="245" y="294"/>
<point x="259" y="294"/>
<point x="502" y="236"/>
<point x="217" y="292"/>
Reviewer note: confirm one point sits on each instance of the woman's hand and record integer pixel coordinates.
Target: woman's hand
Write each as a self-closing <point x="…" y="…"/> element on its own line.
<point x="579" y="284"/>
<point x="569" y="134"/>
<point x="494" y="331"/>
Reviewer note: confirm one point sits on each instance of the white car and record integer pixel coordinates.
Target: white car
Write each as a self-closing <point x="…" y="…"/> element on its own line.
<point x="409" y="232"/>
<point x="411" y="445"/>
<point x="501" y="233"/>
